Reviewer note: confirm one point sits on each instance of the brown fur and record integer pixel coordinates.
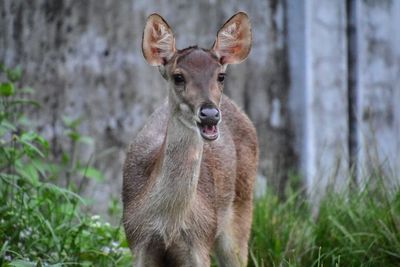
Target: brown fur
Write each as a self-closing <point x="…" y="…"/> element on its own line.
<point x="183" y="196"/>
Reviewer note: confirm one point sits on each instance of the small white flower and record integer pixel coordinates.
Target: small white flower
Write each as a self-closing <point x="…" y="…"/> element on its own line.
<point x="26" y="232"/>
<point x="95" y="217"/>
<point x="106" y="250"/>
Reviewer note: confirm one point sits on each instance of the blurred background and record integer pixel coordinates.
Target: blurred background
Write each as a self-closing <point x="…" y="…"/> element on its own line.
<point x="321" y="84"/>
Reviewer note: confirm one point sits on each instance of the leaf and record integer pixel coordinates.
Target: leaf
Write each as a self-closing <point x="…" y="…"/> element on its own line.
<point x="29" y="172"/>
<point x="31" y="149"/>
<point x="10" y="179"/>
<point x="43" y="142"/>
<point x="67" y="194"/>
<point x="91" y="173"/>
<point x="64" y="159"/>
<point x="21" y="263"/>
<point x="8" y="125"/>
<point x="343" y="229"/>
<point x="14" y="74"/>
<point x="53" y="171"/>
<point x="86" y="140"/>
<point x="6" y="89"/>
<point x="4" y="248"/>
<point x="27" y="90"/>
<point x="71" y="123"/>
<point x="24" y="121"/>
<point x="29" y="137"/>
<point x="74" y="136"/>
<point x="53" y="234"/>
<point x="23" y="101"/>
<point x="41" y="166"/>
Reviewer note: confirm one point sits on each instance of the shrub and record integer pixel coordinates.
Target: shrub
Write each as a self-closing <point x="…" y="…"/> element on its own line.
<point x="41" y="224"/>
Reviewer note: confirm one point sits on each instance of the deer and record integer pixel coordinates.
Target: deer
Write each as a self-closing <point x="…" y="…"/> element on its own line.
<point x="188" y="175"/>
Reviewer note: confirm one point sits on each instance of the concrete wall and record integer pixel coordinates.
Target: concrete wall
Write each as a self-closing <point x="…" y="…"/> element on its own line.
<point x="326" y="94"/>
<point x="378" y="88"/>
<point x="344" y="70"/>
<point x="84" y="60"/>
<point x="320" y="84"/>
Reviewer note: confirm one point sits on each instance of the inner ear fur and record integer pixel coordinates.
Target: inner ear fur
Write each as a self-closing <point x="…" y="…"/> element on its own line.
<point x="158" y="42"/>
<point x="233" y="42"/>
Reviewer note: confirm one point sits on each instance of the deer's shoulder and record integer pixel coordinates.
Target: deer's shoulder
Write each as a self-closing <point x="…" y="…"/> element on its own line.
<point x="239" y="125"/>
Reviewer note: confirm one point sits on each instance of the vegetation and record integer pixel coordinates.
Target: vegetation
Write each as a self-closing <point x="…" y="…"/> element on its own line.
<point x="43" y="223"/>
<point x="356" y="228"/>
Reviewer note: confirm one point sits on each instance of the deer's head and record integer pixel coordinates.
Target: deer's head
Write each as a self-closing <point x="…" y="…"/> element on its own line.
<point x="196" y="76"/>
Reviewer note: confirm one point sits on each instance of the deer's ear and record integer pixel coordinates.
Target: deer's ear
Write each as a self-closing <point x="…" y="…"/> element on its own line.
<point x="158" y="42"/>
<point x="233" y="41"/>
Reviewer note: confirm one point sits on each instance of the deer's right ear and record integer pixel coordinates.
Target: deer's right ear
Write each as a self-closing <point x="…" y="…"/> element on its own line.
<point x="158" y="43"/>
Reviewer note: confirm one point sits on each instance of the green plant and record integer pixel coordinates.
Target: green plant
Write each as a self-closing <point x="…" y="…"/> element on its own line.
<point x="354" y="228"/>
<point x="41" y="224"/>
<point x="74" y="166"/>
<point x="281" y="231"/>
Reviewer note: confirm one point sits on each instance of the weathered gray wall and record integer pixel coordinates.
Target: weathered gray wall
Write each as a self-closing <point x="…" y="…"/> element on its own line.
<point x="378" y="87"/>
<point x="344" y="66"/>
<point x="326" y="94"/>
<point x="84" y="60"/>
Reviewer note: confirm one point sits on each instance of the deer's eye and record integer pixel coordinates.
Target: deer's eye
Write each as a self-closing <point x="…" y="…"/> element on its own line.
<point x="178" y="79"/>
<point x="221" y="77"/>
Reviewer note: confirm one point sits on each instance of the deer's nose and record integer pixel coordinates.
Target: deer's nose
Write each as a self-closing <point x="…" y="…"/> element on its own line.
<point x="209" y="114"/>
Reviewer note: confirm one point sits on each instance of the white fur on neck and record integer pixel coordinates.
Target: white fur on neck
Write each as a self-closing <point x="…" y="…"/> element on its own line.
<point x="176" y="183"/>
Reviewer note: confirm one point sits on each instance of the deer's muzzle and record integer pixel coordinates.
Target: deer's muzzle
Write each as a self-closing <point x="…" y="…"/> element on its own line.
<point x="209" y="117"/>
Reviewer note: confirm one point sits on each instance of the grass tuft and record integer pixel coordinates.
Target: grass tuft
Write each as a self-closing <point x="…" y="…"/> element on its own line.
<point x="358" y="228"/>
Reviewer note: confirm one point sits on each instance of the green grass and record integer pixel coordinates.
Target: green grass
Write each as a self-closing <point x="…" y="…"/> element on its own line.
<point x="360" y="228"/>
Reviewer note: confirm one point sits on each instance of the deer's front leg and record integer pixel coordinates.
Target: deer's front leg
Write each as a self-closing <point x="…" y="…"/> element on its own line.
<point x="149" y="256"/>
<point x="227" y="252"/>
<point x="231" y="245"/>
<point x="185" y="255"/>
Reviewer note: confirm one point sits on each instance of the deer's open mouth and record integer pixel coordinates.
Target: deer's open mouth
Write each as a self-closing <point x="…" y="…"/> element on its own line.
<point x="208" y="130"/>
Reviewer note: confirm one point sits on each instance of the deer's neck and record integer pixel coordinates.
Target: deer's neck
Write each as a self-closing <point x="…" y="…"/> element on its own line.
<point x="178" y="174"/>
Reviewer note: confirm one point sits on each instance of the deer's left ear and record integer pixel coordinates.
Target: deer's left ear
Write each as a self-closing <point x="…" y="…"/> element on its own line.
<point x="233" y="41"/>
